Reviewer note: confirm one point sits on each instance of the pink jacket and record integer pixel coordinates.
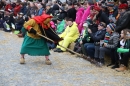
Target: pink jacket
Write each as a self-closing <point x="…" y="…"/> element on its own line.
<point x="79" y="15"/>
<point x="84" y="18"/>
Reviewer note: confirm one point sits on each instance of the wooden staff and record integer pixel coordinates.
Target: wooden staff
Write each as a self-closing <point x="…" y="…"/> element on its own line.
<point x="60" y="45"/>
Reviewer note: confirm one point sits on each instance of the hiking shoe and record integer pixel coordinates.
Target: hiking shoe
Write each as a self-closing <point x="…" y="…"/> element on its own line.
<point x="22" y="61"/>
<point x="48" y="62"/>
<point x="122" y="68"/>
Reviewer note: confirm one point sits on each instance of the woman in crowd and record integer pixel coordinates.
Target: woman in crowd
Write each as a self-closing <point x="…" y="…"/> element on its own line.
<point x="123" y="51"/>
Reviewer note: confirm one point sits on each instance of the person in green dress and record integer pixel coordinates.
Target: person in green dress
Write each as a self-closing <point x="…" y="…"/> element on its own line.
<point x="35" y="45"/>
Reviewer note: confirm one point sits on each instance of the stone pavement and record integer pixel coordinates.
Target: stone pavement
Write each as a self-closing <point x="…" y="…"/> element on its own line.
<point x="66" y="70"/>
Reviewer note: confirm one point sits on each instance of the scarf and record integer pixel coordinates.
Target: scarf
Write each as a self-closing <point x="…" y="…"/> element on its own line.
<point x="40" y="20"/>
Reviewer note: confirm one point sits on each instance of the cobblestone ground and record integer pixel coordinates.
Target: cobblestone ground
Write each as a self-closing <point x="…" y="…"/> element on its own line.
<point x="66" y="70"/>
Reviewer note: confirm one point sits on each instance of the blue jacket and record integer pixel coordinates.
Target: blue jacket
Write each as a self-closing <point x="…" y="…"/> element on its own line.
<point x="99" y="35"/>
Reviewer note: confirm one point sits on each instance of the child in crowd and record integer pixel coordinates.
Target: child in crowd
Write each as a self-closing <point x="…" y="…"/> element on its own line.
<point x="19" y="21"/>
<point x="77" y="47"/>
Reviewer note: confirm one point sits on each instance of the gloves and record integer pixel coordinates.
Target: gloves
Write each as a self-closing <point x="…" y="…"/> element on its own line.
<point x="122" y="50"/>
<point x="57" y="42"/>
<point x="32" y="31"/>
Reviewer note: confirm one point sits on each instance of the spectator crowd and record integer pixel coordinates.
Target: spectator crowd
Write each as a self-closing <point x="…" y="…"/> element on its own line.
<point x="94" y="27"/>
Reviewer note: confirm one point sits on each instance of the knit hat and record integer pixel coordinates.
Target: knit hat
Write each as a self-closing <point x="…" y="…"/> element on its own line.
<point x="89" y="22"/>
<point x="123" y="6"/>
<point x="97" y="8"/>
<point x="112" y="26"/>
<point x="85" y="24"/>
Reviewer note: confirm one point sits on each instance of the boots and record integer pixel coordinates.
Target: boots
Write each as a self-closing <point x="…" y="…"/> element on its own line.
<point x="122" y="68"/>
<point x="95" y="61"/>
<point x="115" y="66"/>
<point x="48" y="62"/>
<point x="101" y="63"/>
<point x="22" y="60"/>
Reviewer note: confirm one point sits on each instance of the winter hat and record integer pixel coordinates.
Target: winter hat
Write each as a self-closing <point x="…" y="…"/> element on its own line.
<point x="112" y="26"/>
<point x="89" y="22"/>
<point x="97" y="8"/>
<point x="85" y="24"/>
<point x="123" y="6"/>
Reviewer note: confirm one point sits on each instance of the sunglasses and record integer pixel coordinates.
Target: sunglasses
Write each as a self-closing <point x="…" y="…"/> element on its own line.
<point x="101" y="25"/>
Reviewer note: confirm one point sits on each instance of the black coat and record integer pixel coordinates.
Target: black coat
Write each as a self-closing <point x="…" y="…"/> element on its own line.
<point x="123" y="22"/>
<point x="102" y="17"/>
<point x="71" y="13"/>
<point x="50" y="11"/>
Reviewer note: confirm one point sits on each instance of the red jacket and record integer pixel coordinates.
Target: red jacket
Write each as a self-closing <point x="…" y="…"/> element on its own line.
<point x="8" y="7"/>
<point x="17" y="10"/>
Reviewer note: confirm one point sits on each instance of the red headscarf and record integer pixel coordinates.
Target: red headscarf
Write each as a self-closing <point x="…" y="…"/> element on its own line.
<point x="41" y="19"/>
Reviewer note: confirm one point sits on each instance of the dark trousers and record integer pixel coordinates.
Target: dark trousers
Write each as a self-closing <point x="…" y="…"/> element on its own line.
<point x="125" y="58"/>
<point x="112" y="53"/>
<point x="90" y="49"/>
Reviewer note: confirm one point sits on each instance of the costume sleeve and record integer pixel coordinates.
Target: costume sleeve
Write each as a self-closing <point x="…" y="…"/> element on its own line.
<point x="64" y="33"/>
<point x="29" y="24"/>
<point x="85" y="15"/>
<point x="72" y="32"/>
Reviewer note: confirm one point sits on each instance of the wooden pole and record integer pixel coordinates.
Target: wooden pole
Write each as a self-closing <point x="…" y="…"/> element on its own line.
<point x="60" y="45"/>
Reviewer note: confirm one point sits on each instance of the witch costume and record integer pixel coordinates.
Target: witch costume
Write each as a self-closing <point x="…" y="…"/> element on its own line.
<point x="34" y="44"/>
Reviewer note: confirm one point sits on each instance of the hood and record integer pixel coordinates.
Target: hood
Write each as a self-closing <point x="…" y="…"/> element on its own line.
<point x="41" y="19"/>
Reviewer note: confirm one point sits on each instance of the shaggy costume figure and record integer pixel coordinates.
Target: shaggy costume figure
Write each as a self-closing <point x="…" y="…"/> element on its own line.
<point x="35" y="45"/>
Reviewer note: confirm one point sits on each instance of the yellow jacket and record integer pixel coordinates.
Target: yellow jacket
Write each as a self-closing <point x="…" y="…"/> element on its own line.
<point x="32" y="24"/>
<point x="71" y="32"/>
